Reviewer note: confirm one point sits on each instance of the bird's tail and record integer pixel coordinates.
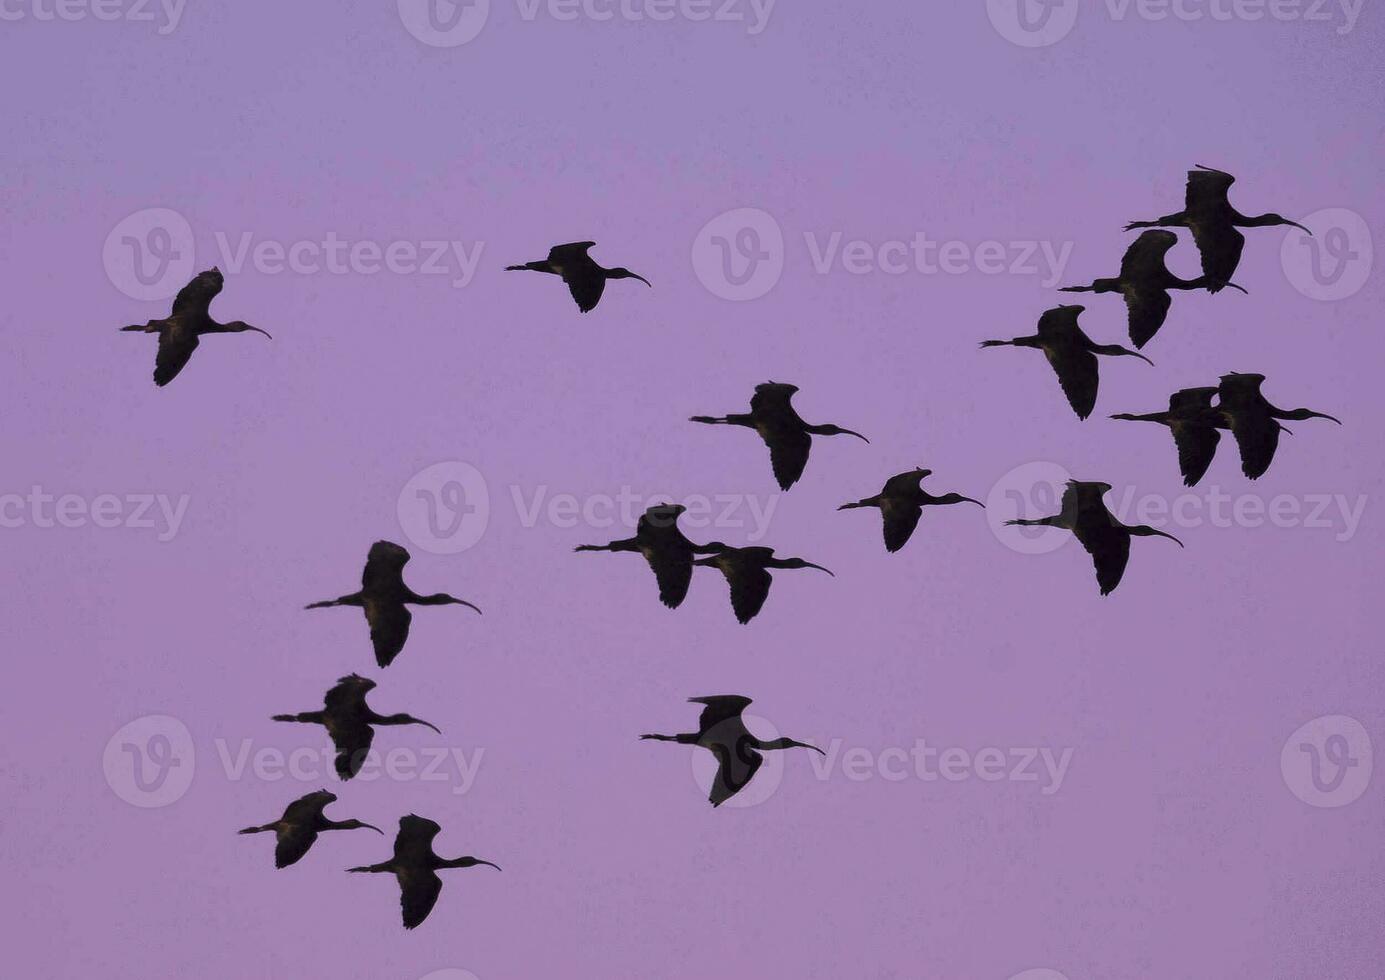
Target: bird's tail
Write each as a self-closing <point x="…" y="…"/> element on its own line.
<point x="256" y="830"/>
<point x="370" y="868"/>
<point x="153" y="326"/>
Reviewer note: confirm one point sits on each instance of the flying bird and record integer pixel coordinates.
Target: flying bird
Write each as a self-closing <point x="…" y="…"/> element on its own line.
<point x="1106" y="539"/>
<point x="1255" y="422"/>
<point x="722" y="731"/>
<point x="901" y="503"/>
<point x="1194" y="423"/>
<point x="415" y="866"/>
<point x="1213" y="221"/>
<point x="788" y="437"/>
<point x="1071" y="354"/>
<point x="585" y="279"/>
<point x="1145" y="282"/>
<point x="747" y="572"/>
<point x="382" y="597"/>
<point x="348" y="720"/>
<point x="180" y="331"/>
<point x="302" y="821"/>
<point x="663" y="545"/>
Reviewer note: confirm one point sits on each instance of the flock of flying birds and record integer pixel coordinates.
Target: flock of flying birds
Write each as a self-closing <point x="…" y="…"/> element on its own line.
<point x="1195" y="417"/>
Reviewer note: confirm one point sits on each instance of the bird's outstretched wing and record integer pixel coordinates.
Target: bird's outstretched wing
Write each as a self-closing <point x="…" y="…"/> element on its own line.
<point x="293" y="841"/>
<point x="198" y="294"/>
<point x="384" y="565"/>
<point x="901" y="517"/>
<point x="586" y="287"/>
<point x="1147" y="309"/>
<point x="1220" y="245"/>
<point x="737" y="763"/>
<point x="176" y="345"/>
<point x="389" y="628"/>
<point x="1109" y="547"/>
<point x="903" y="484"/>
<point x="418" y="893"/>
<point x="673" y="572"/>
<point x="788" y="454"/>
<point x="1206" y="188"/>
<point x="719" y="709"/>
<point x="1078" y="374"/>
<point x="1197" y="446"/>
<point x="305" y="809"/>
<point x="749" y="589"/>
<point x="560" y="255"/>
<point x="1257" y="437"/>
<point x="352" y="742"/>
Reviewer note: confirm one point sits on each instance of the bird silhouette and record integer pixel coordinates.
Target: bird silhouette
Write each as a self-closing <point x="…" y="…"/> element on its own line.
<point x="721" y="730"/>
<point x="747" y="572"/>
<point x="1106" y="539"/>
<point x="1194" y="423"/>
<point x="302" y="821"/>
<point x="788" y="437"/>
<point x="668" y="552"/>
<point x="382" y="597"/>
<point x="180" y="331"/>
<point x="901" y="503"/>
<point x="585" y="279"/>
<point x="348" y="720"/>
<point x="1071" y="354"/>
<point x="1255" y="422"/>
<point x="1213" y="221"/>
<point x="415" y="866"/>
<point x="1145" y="282"/>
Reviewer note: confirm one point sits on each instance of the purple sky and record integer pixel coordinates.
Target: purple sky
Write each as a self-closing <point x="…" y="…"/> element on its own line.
<point x="1176" y="843"/>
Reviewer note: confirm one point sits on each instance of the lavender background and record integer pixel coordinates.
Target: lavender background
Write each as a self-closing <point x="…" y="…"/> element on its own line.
<point x="1174" y="847"/>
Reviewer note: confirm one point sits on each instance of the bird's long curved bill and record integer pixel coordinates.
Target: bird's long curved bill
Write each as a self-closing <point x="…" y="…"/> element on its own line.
<point x="428" y="724"/>
<point x="808" y="564"/>
<point x="1232" y="285"/>
<point x="1163" y="534"/>
<point x="848" y="432"/>
<point x="373" y="827"/>
<point x="488" y="864"/>
<point x="643" y="280"/>
<point x="258" y="330"/>
<point x="1300" y="227"/>
<point x="972" y="500"/>
<point x="1330" y="418"/>
<point x="469" y="605"/>
<point x="1135" y="353"/>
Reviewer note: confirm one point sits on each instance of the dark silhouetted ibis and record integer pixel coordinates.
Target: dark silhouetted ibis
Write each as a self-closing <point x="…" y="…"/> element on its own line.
<point x="747" y="572"/>
<point x="585" y="279"/>
<point x="1071" y="354"/>
<point x="901" y="503"/>
<point x="302" y="821"/>
<point x="415" y="867"/>
<point x="1194" y="424"/>
<point x="1145" y="282"/>
<point x="382" y="597"/>
<point x="669" y="553"/>
<point x="1106" y="539"/>
<point x="1255" y="422"/>
<point x="788" y="437"/>
<point x="1213" y="221"/>
<point x="722" y="731"/>
<point x="180" y="331"/>
<point x="348" y="720"/>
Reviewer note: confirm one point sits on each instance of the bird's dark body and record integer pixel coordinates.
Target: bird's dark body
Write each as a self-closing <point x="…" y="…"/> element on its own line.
<point x="297" y="830"/>
<point x="180" y="332"/>
<point x="382" y="598"/>
<point x="667" y="551"/>
<point x="901" y="504"/>
<point x="747" y="573"/>
<point x="1255" y="422"/>
<point x="586" y="280"/>
<point x="415" y="865"/>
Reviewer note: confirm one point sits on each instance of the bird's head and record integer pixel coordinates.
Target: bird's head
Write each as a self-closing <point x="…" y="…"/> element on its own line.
<point x="240" y="326"/>
<point x="622" y="273"/>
